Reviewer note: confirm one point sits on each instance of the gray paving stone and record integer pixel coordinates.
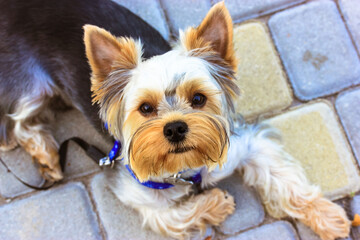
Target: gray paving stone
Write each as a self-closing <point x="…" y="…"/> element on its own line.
<point x="316" y="49"/>
<point x="241" y="10"/>
<point x="249" y="211"/>
<point x="61" y="213"/>
<point x="275" y="231"/>
<point x="355" y="208"/>
<point x="351" y="13"/>
<point x="22" y="165"/>
<point x="73" y="123"/>
<point x="119" y="221"/>
<point x="185" y="13"/>
<point x="150" y="11"/>
<point x="347" y="105"/>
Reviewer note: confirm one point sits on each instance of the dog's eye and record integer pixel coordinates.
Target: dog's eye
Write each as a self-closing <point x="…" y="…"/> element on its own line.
<point x="198" y="100"/>
<point x="146" y="109"/>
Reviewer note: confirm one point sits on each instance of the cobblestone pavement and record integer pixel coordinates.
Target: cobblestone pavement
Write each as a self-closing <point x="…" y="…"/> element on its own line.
<point x="299" y="69"/>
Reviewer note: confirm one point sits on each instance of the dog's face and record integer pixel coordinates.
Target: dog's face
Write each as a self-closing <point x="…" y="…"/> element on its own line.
<point x="171" y="112"/>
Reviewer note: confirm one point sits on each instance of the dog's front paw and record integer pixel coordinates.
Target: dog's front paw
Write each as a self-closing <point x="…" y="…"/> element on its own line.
<point x="327" y="219"/>
<point x="220" y="205"/>
<point x="49" y="166"/>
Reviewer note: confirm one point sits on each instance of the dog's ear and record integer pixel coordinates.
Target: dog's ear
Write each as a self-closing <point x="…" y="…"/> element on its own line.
<point x="106" y="53"/>
<point x="111" y="60"/>
<point x="216" y="31"/>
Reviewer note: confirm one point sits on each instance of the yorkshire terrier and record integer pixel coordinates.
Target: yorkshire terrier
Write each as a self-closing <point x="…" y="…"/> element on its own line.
<point x="173" y="114"/>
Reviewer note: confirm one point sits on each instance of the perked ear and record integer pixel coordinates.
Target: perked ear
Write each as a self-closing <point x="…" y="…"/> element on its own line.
<point x="216" y="31"/>
<point x="106" y="53"/>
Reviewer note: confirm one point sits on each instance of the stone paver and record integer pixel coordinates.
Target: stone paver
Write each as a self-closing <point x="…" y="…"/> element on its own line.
<point x="316" y="49"/>
<point x="73" y="123"/>
<point x="249" y="211"/>
<point x="351" y="13"/>
<point x="150" y="11"/>
<point x="347" y="105"/>
<point x="263" y="85"/>
<point x="275" y="231"/>
<point x="355" y="209"/>
<point x="120" y="221"/>
<point x="61" y="213"/>
<point x="22" y="165"/>
<point x="241" y="10"/>
<point x="191" y="13"/>
<point x="312" y="135"/>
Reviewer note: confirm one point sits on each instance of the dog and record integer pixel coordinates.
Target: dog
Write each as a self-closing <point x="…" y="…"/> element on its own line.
<point x="172" y="110"/>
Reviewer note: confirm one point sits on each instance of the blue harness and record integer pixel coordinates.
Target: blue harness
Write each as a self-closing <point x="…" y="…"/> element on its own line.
<point x="114" y="153"/>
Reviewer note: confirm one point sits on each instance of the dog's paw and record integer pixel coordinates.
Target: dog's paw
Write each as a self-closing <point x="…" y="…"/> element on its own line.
<point x="220" y="205"/>
<point x="328" y="220"/>
<point x="49" y="166"/>
<point x="9" y="146"/>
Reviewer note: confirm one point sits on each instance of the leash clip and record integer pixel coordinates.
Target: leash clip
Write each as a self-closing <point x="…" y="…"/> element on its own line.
<point x="177" y="180"/>
<point x="106" y="161"/>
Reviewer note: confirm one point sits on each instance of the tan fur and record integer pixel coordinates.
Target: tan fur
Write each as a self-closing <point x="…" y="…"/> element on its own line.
<point x="326" y="218"/>
<point x="285" y="190"/>
<point x="31" y="131"/>
<point x="186" y="219"/>
<point x="215" y="31"/>
<point x="105" y="53"/>
<point x="110" y="59"/>
<point x="209" y="149"/>
<point x="188" y="89"/>
<point x="46" y="156"/>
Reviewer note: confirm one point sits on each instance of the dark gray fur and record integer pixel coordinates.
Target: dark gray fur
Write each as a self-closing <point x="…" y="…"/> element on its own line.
<point x="42" y="40"/>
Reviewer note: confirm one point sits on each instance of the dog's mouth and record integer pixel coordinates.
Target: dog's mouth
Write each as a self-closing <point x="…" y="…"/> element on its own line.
<point x="181" y="150"/>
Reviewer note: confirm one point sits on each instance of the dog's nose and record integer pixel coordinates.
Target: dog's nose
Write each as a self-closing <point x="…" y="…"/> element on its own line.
<point x="175" y="131"/>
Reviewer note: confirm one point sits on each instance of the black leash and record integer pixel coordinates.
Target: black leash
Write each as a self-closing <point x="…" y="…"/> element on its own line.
<point x="93" y="152"/>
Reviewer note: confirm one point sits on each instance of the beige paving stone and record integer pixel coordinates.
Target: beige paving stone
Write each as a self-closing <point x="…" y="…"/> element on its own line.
<point x="261" y="79"/>
<point x="312" y="134"/>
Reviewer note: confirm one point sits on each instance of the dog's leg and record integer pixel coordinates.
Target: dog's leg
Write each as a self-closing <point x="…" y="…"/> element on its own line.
<point x="283" y="186"/>
<point x="31" y="131"/>
<point x="185" y="219"/>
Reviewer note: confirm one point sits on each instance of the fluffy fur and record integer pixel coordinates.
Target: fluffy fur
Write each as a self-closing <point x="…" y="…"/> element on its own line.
<point x="138" y="97"/>
<point x="202" y="63"/>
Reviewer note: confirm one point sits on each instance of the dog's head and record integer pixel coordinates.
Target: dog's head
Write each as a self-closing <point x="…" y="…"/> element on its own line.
<point x="171" y="112"/>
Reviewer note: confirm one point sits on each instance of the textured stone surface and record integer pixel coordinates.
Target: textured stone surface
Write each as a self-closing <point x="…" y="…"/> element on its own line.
<point x="316" y="49"/>
<point x="275" y="231"/>
<point x="22" y="165"/>
<point x="351" y="13"/>
<point x="120" y="221"/>
<point x="347" y="105"/>
<point x="312" y="135"/>
<point x="185" y="13"/>
<point x="260" y="77"/>
<point x="73" y="123"/>
<point x="355" y="208"/>
<point x="150" y="11"/>
<point x="249" y="211"/>
<point x="62" y="213"/>
<point x="241" y="10"/>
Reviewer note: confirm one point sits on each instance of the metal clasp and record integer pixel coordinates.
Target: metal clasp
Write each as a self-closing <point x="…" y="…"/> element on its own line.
<point x="177" y="180"/>
<point x="106" y="161"/>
